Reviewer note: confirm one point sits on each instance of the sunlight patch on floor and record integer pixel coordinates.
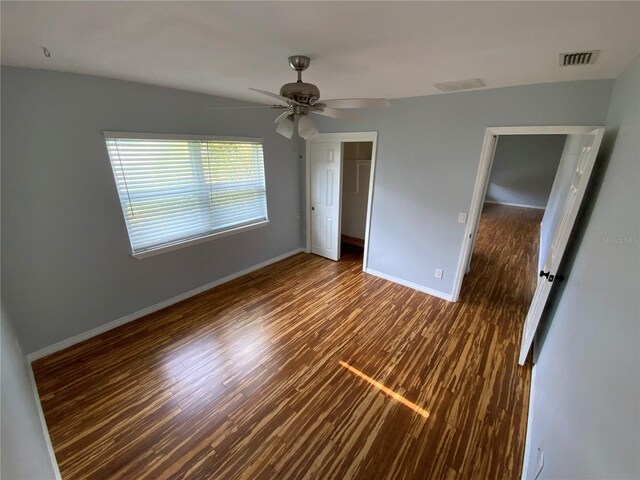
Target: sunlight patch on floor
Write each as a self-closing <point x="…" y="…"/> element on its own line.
<point x="396" y="396"/>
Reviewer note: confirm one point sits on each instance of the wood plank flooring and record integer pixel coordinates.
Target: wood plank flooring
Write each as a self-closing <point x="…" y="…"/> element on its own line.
<point x="308" y="368"/>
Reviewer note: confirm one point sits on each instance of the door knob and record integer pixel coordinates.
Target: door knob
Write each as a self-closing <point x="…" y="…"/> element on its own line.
<point x="549" y="275"/>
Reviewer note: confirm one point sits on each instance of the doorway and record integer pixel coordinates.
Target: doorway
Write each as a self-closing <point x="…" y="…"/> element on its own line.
<point x="356" y="175"/>
<point x="340" y="179"/>
<point x="520" y="181"/>
<point x="579" y="153"/>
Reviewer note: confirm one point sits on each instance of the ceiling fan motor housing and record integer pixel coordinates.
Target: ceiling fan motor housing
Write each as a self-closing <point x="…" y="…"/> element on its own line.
<point x="301" y="92"/>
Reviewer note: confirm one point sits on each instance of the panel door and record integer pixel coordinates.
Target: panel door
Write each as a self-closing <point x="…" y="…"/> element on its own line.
<point x="326" y="170"/>
<point x="562" y="209"/>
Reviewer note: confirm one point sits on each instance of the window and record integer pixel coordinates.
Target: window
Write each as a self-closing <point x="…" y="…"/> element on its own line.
<point x="178" y="189"/>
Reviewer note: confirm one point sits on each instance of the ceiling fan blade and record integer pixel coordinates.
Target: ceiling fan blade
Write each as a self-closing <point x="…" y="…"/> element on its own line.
<point x="356" y="102"/>
<point x="335" y="113"/>
<point x="286" y="100"/>
<point x="277" y="107"/>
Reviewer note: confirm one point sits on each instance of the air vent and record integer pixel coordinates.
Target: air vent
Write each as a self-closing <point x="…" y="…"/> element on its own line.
<point x="459" y="85"/>
<point x="579" y="58"/>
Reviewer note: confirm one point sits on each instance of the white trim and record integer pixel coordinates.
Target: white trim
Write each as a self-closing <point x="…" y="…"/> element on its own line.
<point x="340" y="187"/>
<point x="344" y="137"/>
<point x="177" y="136"/>
<point x="405" y="283"/>
<point x="544" y="130"/>
<point x="43" y="424"/>
<point x="307" y="154"/>
<point x="43" y="352"/>
<point x="367" y="225"/>
<point x="527" y="442"/>
<point x="484" y="167"/>
<point x="194" y="241"/>
<point x="519" y="205"/>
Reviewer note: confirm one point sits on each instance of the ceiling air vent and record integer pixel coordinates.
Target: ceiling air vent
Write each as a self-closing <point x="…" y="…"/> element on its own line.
<point x="579" y="58"/>
<point x="459" y="85"/>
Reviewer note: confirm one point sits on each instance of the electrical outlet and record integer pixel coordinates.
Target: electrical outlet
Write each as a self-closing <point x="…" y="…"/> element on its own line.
<point x="462" y="217"/>
<point x="439" y="273"/>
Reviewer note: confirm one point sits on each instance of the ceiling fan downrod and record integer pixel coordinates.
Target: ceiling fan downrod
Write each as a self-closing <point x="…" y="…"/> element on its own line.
<point x="300" y="92"/>
<point x="299" y="63"/>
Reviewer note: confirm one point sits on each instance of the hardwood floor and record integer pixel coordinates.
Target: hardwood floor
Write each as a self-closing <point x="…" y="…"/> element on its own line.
<point x="308" y="369"/>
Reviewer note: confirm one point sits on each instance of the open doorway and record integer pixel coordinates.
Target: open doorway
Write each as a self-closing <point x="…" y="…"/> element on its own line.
<point x="539" y="269"/>
<point x="356" y="176"/>
<point x="340" y="178"/>
<point x="520" y="181"/>
<point x="507" y="239"/>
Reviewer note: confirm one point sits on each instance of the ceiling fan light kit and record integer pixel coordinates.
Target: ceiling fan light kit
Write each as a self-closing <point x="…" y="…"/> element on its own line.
<point x="306" y="128"/>
<point x="300" y="99"/>
<point x="285" y="126"/>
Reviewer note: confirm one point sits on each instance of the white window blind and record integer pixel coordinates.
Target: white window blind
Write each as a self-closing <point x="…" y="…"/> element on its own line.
<point x="175" y="189"/>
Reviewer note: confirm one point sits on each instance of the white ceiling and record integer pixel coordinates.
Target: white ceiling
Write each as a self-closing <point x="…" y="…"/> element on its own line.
<point x="373" y="49"/>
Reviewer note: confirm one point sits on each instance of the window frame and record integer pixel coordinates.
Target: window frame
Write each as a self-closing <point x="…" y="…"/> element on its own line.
<point x="178" y="244"/>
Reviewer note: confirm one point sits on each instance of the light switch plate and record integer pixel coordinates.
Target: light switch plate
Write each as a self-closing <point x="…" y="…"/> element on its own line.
<point x="462" y="217"/>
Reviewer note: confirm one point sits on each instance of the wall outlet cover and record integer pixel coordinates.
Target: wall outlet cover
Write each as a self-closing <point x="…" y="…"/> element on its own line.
<point x="439" y="273"/>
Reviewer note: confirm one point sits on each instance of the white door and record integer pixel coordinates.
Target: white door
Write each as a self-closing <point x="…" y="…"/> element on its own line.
<point x="326" y="172"/>
<point x="568" y="189"/>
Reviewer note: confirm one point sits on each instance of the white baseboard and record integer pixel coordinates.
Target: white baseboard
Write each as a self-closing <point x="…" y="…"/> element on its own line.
<point x="43" y="352"/>
<point x="514" y="204"/>
<point x="43" y="424"/>
<point x="405" y="283"/>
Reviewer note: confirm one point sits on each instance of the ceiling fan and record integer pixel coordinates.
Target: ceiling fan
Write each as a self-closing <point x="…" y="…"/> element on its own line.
<point x="299" y="99"/>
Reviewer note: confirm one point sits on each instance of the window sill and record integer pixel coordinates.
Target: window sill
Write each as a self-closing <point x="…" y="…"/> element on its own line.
<point x="176" y="246"/>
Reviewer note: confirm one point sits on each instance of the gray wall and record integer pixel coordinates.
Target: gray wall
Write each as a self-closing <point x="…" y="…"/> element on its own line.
<point x="523" y="169"/>
<point x="427" y="161"/>
<point x="25" y="449"/>
<point x="65" y="260"/>
<point x="587" y="375"/>
<point x="66" y="266"/>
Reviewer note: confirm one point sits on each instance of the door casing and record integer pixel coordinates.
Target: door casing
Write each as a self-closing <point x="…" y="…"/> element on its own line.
<point x="343" y="137"/>
<point x="482" y="179"/>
